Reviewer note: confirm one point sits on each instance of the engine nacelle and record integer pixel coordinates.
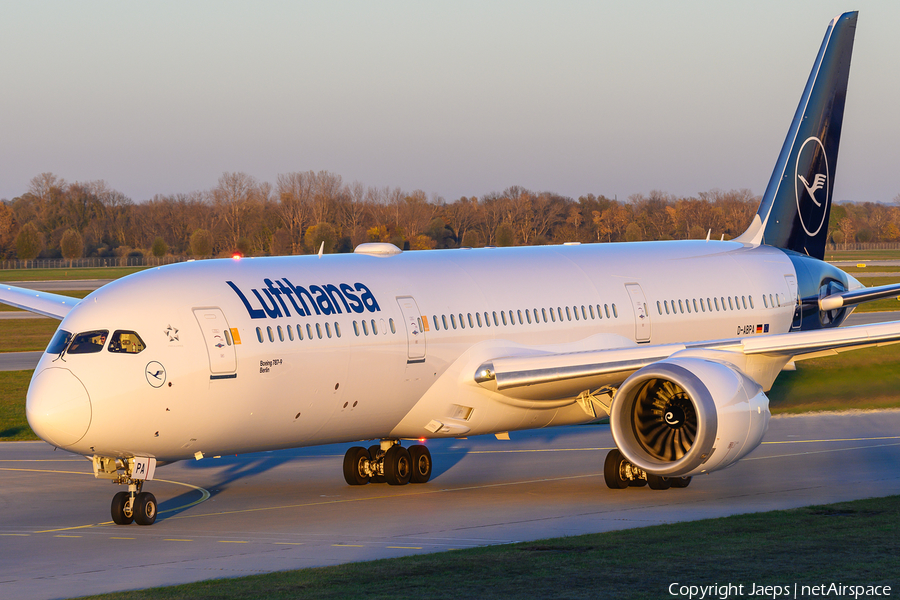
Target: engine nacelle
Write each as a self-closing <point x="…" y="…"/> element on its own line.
<point x="684" y="416"/>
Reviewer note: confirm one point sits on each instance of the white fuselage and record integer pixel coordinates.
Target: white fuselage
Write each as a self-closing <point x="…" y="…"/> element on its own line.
<point x="399" y="349"/>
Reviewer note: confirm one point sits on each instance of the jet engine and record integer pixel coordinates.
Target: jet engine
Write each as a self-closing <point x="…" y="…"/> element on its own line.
<point x="683" y="416"/>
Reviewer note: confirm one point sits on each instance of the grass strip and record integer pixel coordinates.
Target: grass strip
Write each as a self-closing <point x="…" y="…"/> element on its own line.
<point x="13" y="275"/>
<point x="850" y="543"/>
<point x="13" y="387"/>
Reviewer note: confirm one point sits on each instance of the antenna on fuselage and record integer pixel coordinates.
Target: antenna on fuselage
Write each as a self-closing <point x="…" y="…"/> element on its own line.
<point x="322" y="249"/>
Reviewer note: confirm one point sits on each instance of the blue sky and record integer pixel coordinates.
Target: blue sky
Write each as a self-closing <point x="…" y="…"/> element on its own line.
<point x="458" y="98"/>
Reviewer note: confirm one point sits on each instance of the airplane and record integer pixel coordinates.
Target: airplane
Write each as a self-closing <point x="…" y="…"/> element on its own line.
<point x="676" y="342"/>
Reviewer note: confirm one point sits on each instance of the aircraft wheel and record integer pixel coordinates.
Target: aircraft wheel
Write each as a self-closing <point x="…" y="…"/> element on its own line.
<point x="145" y="509"/>
<point x="657" y="482"/>
<point x="637" y="483"/>
<point x="421" y="463"/>
<point x="355" y="466"/>
<point x="612" y="470"/>
<point x="121" y="513"/>
<point x="374" y="451"/>
<point x="680" y="482"/>
<point x="397" y="465"/>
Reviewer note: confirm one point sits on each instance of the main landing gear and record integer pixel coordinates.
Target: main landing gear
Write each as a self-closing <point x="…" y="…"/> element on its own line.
<point x="134" y="505"/>
<point x="620" y="474"/>
<point x="388" y="463"/>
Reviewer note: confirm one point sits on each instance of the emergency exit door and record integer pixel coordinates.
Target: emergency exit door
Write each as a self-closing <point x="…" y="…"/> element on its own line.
<point x="641" y="314"/>
<point x="415" y="330"/>
<point x="219" y="342"/>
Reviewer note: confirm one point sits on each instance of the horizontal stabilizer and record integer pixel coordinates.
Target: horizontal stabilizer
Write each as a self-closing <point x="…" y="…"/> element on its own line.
<point x="55" y="306"/>
<point x="854" y="297"/>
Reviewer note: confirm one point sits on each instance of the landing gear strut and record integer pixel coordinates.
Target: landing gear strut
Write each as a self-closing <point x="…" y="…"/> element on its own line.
<point x="619" y="474"/>
<point x="388" y="462"/>
<point x="131" y="506"/>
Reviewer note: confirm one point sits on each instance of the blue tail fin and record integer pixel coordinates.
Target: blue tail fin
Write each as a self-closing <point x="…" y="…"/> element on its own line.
<point x="794" y="210"/>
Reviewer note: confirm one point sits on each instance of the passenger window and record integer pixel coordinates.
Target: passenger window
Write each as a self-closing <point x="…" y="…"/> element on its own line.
<point x="487" y="319"/>
<point x="606" y="309"/>
<point x="328" y="330"/>
<point x="666" y="304"/>
<point x="688" y="303"/>
<point x="568" y="314"/>
<point x="280" y="333"/>
<point x="394" y="327"/>
<point x="478" y="318"/>
<point x="528" y="316"/>
<point x="469" y="318"/>
<point x="503" y="316"/>
<point x="375" y="327"/>
<point x="695" y="304"/>
<point x="680" y="306"/>
<point x="365" y="328"/>
<point x="462" y="321"/>
<point x="299" y="331"/>
<point x="730" y="305"/>
<point x="592" y="310"/>
<point x="259" y="334"/>
<point x="337" y="330"/>
<point x="512" y="318"/>
<point x="356" y="328"/>
<point x="444" y="321"/>
<point x="453" y="321"/>
<point x="744" y="301"/>
<point x="126" y="342"/>
<point x="290" y="331"/>
<point x="309" y="330"/>
<point x="765" y="302"/>
<point x="751" y="301"/>
<point x="319" y="330"/>
<point x="271" y="335"/>
<point x="434" y="320"/>
<point x="544" y="314"/>
<point x="552" y="315"/>
<point x="615" y="312"/>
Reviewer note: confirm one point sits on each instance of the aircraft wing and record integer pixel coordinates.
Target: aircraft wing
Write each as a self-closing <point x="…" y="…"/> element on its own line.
<point x="553" y="376"/>
<point x="43" y="303"/>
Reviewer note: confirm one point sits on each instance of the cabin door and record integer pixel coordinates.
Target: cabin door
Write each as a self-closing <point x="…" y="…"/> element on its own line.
<point x="641" y="314"/>
<point x="220" y="342"/>
<point x="415" y="331"/>
<point x="794" y="297"/>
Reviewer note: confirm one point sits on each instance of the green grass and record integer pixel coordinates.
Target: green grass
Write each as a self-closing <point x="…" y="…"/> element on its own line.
<point x="13" y="387"/>
<point x="11" y="275"/>
<point x="853" y="543"/>
<point x="862" y="255"/>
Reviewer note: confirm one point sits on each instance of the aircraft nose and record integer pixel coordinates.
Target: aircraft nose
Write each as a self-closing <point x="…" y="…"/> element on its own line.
<point x="58" y="407"/>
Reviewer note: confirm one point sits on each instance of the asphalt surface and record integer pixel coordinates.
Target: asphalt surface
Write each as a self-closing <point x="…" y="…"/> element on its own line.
<point x="259" y="513"/>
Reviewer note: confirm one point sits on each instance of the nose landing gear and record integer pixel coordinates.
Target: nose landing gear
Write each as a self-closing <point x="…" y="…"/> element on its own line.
<point x="134" y="505"/>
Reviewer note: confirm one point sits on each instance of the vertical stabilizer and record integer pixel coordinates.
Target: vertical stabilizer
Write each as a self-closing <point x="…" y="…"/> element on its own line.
<point x="794" y="210"/>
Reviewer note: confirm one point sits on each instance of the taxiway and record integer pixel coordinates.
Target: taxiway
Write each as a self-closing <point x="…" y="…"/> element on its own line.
<point x="233" y="516"/>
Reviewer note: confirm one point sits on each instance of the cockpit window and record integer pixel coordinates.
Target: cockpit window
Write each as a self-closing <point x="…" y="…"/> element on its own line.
<point x="88" y="342"/>
<point x="59" y="342"/>
<point x="126" y="342"/>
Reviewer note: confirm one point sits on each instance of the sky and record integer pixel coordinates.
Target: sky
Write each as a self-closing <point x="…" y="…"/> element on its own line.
<point x="453" y="98"/>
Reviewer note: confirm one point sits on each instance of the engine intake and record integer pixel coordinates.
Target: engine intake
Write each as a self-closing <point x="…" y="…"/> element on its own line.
<point x="683" y="416"/>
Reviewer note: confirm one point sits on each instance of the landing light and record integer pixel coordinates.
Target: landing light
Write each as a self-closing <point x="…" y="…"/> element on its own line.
<point x="237" y="256"/>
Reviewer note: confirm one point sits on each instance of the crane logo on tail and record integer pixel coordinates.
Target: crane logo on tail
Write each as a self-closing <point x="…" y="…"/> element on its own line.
<point x="811" y="185"/>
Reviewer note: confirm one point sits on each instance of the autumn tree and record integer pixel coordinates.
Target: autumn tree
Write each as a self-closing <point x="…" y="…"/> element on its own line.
<point x="29" y="242"/>
<point x="201" y="243"/>
<point x="160" y="247"/>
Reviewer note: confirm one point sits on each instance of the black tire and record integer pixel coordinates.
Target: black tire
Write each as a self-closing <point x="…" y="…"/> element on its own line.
<point x="657" y="482"/>
<point x="680" y="482"/>
<point x="374" y="451"/>
<point x="612" y="470"/>
<point x="637" y="483"/>
<point x="420" y="457"/>
<point x="397" y="465"/>
<point x="354" y="466"/>
<point x="120" y="515"/>
<point x="145" y="509"/>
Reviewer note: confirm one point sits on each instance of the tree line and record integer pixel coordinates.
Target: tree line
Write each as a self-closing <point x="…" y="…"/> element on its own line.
<point x="304" y="210"/>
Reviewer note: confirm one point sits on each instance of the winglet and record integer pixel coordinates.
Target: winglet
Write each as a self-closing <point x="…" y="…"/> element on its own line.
<point x="796" y="205"/>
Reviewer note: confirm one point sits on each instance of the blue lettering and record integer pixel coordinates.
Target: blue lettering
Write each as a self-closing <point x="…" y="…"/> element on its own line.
<point x="326" y="299"/>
